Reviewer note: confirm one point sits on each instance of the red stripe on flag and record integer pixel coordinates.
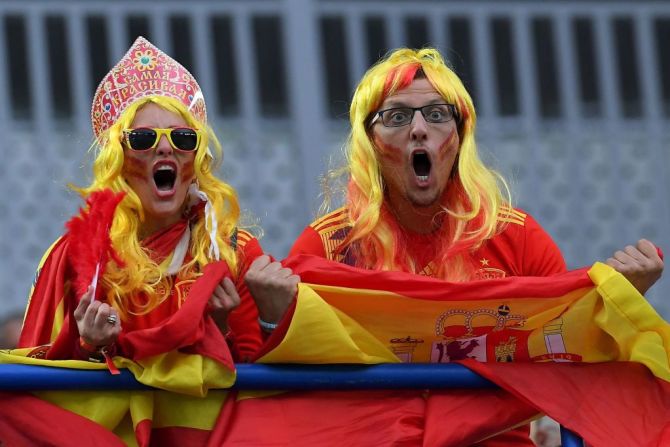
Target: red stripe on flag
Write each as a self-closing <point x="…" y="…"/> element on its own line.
<point x="474" y="415"/>
<point x="316" y="270"/>
<point x="381" y="417"/>
<point x="26" y="420"/>
<point x="324" y="418"/>
<point x="179" y="436"/>
<point x="608" y="404"/>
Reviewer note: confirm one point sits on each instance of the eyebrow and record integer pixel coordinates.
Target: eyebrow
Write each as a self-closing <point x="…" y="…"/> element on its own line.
<point x="394" y="104"/>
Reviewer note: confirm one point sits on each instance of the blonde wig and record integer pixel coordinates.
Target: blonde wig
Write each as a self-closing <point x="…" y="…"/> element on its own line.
<point x="141" y="273"/>
<point x="474" y="197"/>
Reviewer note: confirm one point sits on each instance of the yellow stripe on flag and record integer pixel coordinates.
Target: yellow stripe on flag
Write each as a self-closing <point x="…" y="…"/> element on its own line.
<point x="330" y="331"/>
<point x="178" y="410"/>
<point x="107" y="408"/>
<point x="189" y="374"/>
<point x="609" y="321"/>
<point x="58" y="319"/>
<point x="640" y="333"/>
<point x="194" y="376"/>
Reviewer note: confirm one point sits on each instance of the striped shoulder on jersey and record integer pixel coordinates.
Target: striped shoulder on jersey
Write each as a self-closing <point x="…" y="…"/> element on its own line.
<point x="333" y="229"/>
<point x="332" y="221"/>
<point x="242" y="237"/>
<point x="511" y="215"/>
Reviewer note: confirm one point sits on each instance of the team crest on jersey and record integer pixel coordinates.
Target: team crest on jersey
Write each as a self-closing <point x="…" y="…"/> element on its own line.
<point x="181" y="289"/>
<point x="488" y="272"/>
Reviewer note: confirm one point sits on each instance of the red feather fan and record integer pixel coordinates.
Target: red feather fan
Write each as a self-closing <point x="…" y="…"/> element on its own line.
<point x="89" y="243"/>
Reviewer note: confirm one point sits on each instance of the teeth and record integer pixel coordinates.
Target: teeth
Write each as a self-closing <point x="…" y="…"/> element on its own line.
<point x="165" y="168"/>
<point x="422" y="178"/>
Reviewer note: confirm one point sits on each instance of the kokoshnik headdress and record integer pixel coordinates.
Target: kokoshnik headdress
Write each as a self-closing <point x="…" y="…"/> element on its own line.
<point x="144" y="71"/>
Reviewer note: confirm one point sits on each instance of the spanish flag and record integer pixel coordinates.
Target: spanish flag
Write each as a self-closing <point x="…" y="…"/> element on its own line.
<point x="185" y="358"/>
<point x="583" y="347"/>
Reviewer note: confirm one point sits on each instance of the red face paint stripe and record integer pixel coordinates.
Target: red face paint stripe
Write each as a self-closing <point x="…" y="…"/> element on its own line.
<point x="134" y="167"/>
<point x="448" y="142"/>
<point x="387" y="151"/>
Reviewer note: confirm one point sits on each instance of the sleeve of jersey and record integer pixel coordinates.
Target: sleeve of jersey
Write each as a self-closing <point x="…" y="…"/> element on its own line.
<point x="309" y="243"/>
<point x="243" y="321"/>
<point x="541" y="255"/>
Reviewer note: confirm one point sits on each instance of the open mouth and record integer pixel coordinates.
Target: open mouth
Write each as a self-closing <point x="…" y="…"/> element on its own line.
<point x="165" y="177"/>
<point x="421" y="164"/>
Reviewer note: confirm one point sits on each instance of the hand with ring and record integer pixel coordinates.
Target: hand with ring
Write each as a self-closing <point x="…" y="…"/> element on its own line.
<point x="98" y="323"/>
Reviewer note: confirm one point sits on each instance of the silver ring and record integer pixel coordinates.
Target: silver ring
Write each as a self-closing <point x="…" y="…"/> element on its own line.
<point x="111" y="319"/>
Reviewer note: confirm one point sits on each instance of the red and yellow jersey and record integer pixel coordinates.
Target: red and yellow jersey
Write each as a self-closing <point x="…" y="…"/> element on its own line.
<point x="53" y="301"/>
<point x="523" y="248"/>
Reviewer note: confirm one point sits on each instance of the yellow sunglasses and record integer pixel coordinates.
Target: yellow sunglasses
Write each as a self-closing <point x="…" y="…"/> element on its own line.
<point x="183" y="139"/>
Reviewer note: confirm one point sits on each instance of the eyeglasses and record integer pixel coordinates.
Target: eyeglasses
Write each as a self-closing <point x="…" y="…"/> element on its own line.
<point x="182" y="139"/>
<point x="402" y="116"/>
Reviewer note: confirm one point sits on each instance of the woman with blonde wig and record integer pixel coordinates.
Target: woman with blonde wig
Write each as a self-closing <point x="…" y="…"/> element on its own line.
<point x="156" y="261"/>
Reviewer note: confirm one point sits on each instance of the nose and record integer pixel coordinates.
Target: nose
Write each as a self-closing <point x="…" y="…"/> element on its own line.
<point x="418" y="127"/>
<point x="164" y="147"/>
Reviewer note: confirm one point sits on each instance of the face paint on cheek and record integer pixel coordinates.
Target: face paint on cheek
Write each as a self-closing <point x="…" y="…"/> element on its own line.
<point x="388" y="152"/>
<point x="135" y="168"/>
<point x="188" y="172"/>
<point x="448" y="144"/>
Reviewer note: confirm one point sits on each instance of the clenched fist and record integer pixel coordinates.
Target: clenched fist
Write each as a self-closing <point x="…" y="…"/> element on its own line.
<point x="272" y="286"/>
<point x="223" y="300"/>
<point x="640" y="264"/>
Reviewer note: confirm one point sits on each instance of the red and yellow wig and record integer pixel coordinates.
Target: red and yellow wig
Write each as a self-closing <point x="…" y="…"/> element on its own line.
<point x="474" y="197"/>
<point x="140" y="272"/>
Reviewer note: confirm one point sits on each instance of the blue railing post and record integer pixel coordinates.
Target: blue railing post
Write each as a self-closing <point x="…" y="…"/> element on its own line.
<point x="569" y="439"/>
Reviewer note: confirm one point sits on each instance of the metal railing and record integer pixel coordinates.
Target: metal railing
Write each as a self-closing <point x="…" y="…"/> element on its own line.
<point x="270" y="377"/>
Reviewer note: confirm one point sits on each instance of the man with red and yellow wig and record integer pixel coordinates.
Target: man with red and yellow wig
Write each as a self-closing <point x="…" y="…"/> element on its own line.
<point x="419" y="199"/>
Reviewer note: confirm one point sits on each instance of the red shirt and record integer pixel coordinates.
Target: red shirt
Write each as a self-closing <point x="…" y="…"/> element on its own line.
<point x="242" y="321"/>
<point x="53" y="300"/>
<point x="523" y="248"/>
